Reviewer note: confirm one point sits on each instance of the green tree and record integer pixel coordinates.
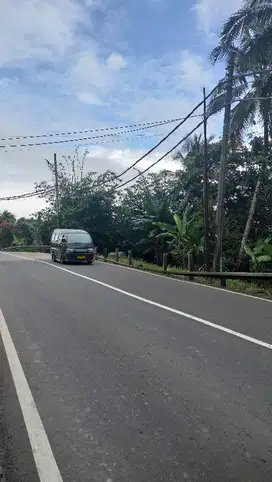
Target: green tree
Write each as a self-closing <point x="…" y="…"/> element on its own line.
<point x="247" y="29"/>
<point x="7" y="223"/>
<point x="23" y="229"/>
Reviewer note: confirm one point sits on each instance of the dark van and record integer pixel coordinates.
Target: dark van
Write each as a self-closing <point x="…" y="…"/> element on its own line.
<point x="74" y="245"/>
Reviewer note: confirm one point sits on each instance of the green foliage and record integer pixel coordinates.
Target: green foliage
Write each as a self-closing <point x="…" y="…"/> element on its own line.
<point x="23" y="230"/>
<point x="260" y="255"/>
<point x="183" y="237"/>
<point x="7" y="222"/>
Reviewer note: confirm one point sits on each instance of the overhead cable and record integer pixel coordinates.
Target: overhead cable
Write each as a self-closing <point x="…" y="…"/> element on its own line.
<point x="161" y="141"/>
<point x="26" y="195"/>
<point x="66" y="141"/>
<point x="141" y="126"/>
<point x="162" y="157"/>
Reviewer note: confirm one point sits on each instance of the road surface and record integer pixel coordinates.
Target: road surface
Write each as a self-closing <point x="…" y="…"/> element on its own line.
<point x="134" y="377"/>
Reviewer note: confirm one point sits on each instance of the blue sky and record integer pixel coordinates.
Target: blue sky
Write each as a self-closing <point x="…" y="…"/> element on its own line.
<point x="82" y="64"/>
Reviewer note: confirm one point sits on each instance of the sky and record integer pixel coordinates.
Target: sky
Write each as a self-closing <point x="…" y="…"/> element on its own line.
<point x="73" y="65"/>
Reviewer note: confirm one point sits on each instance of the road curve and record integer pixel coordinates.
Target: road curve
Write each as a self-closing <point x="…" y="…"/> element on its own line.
<point x="130" y="391"/>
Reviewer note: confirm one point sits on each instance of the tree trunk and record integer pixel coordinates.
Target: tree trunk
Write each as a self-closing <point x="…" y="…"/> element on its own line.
<point x="206" y="190"/>
<point x="184" y="201"/>
<point x="220" y="211"/>
<point x="257" y="189"/>
<point x="249" y="221"/>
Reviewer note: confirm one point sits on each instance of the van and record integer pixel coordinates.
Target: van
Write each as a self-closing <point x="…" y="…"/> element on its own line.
<point x="72" y="245"/>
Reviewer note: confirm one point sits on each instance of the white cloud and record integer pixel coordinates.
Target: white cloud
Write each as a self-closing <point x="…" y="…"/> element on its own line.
<point x="116" y="62"/>
<point x="91" y="78"/>
<point x="211" y="13"/>
<point x="88" y="71"/>
<point x="194" y="74"/>
<point x="37" y="28"/>
<point x="89" y="98"/>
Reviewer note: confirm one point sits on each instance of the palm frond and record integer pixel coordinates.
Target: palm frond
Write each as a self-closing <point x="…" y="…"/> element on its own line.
<point x="220" y="52"/>
<point x="243" y="114"/>
<point x="246" y="19"/>
<point x="218" y="102"/>
<point x="256" y="51"/>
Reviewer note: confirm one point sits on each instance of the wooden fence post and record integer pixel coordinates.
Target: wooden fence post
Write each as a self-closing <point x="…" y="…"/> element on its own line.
<point x="190" y="266"/>
<point x="130" y="257"/>
<point x="164" y="261"/>
<point x="223" y="282"/>
<point x="105" y="254"/>
<point x="117" y="255"/>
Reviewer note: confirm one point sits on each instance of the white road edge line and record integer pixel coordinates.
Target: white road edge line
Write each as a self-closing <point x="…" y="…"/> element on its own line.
<point x="169" y="278"/>
<point x="164" y="307"/>
<point x="44" y="459"/>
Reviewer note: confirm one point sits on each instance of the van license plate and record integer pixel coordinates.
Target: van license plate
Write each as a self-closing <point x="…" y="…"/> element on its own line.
<point x="81" y="257"/>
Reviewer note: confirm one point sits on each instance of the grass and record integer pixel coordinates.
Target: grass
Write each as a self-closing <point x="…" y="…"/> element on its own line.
<point x="261" y="289"/>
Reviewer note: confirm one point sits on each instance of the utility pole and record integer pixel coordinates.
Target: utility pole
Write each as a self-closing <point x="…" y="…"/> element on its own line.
<point x="57" y="188"/>
<point x="205" y="188"/>
<point x="220" y="210"/>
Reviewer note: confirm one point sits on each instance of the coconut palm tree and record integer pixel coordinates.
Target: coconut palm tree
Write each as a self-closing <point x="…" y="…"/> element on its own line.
<point x="249" y="32"/>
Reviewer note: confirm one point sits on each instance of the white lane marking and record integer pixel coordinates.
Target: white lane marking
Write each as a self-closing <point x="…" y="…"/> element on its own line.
<point x="165" y="307"/>
<point x="223" y="290"/>
<point x="18" y="256"/>
<point x="192" y="283"/>
<point x="44" y="459"/>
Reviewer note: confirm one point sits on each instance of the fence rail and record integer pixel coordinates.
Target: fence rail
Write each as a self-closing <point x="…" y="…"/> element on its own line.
<point x="223" y="276"/>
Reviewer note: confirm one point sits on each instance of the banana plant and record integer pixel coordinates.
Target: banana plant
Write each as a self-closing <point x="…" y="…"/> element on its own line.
<point x="185" y="236"/>
<point x="260" y="255"/>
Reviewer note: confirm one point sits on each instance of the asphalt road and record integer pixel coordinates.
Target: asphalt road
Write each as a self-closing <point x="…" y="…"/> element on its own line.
<point x="130" y="391"/>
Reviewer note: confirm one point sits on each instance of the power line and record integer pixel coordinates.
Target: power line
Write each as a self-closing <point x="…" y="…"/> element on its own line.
<point x="140" y="126"/>
<point x="180" y="142"/>
<point x="35" y="193"/>
<point x="65" y="141"/>
<point x="141" y="158"/>
<point x="161" y="141"/>
<point x="149" y="124"/>
<point x="117" y="139"/>
<point x="144" y="125"/>
<point x="26" y="195"/>
<point x="162" y="157"/>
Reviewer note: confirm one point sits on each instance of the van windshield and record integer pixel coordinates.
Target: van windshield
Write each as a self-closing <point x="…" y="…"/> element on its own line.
<point x="82" y="238"/>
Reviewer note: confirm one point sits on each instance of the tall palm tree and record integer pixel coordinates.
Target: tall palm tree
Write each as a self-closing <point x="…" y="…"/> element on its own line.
<point x="249" y="31"/>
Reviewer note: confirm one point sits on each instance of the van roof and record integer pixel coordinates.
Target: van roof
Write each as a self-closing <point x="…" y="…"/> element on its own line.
<point x="72" y="231"/>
